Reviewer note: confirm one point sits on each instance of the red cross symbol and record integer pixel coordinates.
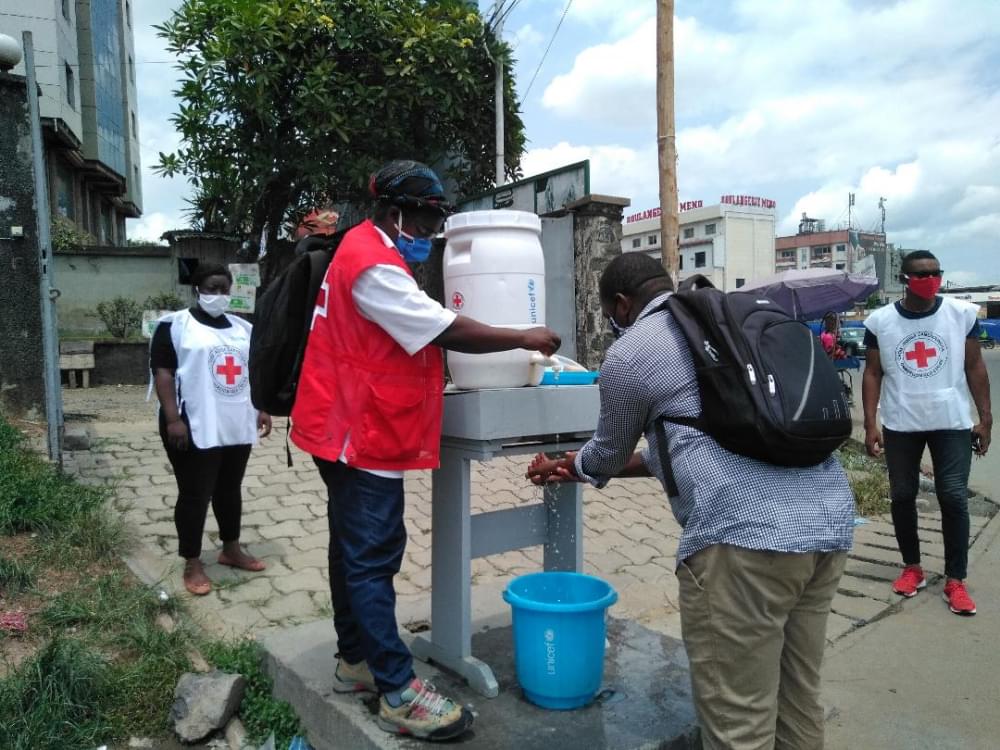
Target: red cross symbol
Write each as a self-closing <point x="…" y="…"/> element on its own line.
<point x="457" y="300"/>
<point x="230" y="370"/>
<point x="921" y="354"/>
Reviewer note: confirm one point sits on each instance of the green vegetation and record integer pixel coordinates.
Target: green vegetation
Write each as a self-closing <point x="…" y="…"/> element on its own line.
<point x="121" y="316"/>
<point x="34" y="497"/>
<point x="869" y="480"/>
<point x="260" y="712"/>
<point x="67" y="236"/>
<point x="164" y="301"/>
<point x="290" y="104"/>
<point x="99" y="665"/>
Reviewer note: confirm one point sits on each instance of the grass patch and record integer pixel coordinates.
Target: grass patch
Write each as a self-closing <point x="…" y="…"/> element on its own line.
<point x="15" y="576"/>
<point x="260" y="712"/>
<point x="869" y="480"/>
<point x="55" y="700"/>
<point x="94" y="666"/>
<point x="36" y="497"/>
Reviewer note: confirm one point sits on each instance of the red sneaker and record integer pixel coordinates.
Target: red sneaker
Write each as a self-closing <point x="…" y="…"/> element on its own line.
<point x="910" y="581"/>
<point x="958" y="598"/>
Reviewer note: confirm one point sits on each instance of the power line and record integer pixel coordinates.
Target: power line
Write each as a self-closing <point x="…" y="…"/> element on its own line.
<point x="545" y="54"/>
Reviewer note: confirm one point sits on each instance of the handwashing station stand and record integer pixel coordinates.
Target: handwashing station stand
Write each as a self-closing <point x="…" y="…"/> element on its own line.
<point x="480" y="425"/>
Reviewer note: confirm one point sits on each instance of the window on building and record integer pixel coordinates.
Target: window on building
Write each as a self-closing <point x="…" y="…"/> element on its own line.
<point x="689" y="233"/>
<point x="131" y="69"/>
<point x="819" y="252"/>
<point x="135" y="130"/>
<point x="65" y="9"/>
<point x="135" y="178"/>
<point x="637" y="242"/>
<point x="651" y="239"/>
<point x="699" y="260"/>
<point x="710" y="229"/>
<point x="841" y="249"/>
<point x="128" y="12"/>
<point x="680" y="262"/>
<point x="740" y="282"/>
<point x="65" y="205"/>
<point x="790" y="254"/>
<point x="70" y="87"/>
<point x="840" y="266"/>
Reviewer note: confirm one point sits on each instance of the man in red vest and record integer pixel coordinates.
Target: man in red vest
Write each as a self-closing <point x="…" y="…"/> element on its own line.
<point x="368" y="407"/>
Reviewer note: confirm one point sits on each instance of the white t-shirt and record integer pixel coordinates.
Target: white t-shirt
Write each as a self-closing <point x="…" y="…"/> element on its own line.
<point x="389" y="297"/>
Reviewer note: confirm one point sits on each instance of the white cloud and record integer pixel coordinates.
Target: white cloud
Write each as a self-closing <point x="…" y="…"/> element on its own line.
<point x="525" y="38"/>
<point x="613" y="168"/>
<point x="150" y="227"/>
<point x="609" y="82"/>
<point x="807" y="102"/>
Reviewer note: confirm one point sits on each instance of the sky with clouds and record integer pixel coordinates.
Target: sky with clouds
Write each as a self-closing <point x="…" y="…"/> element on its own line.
<point x="799" y="102"/>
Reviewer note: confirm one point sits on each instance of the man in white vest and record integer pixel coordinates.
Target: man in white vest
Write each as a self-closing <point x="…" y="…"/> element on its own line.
<point x="923" y="360"/>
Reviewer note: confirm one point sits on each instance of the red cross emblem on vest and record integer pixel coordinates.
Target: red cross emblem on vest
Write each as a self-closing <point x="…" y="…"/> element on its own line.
<point x="457" y="301"/>
<point x="230" y="370"/>
<point x="921" y="354"/>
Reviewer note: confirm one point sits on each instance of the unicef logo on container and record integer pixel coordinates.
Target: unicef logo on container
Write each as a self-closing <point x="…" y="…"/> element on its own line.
<point x="550" y="651"/>
<point x="532" y="302"/>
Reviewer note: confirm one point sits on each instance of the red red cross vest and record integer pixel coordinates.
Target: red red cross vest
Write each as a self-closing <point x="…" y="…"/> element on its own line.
<point x="357" y="384"/>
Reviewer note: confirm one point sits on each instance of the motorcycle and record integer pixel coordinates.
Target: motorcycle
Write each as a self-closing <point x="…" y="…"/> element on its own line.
<point x="988" y="343"/>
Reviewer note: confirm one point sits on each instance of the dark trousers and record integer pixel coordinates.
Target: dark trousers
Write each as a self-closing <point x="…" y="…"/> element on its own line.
<point x="951" y="456"/>
<point x="207" y="475"/>
<point x="367" y="539"/>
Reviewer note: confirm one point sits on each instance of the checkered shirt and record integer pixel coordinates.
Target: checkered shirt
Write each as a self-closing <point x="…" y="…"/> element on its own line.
<point x="723" y="498"/>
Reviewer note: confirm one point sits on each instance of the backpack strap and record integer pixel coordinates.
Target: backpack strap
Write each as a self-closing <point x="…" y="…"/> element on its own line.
<point x="665" y="463"/>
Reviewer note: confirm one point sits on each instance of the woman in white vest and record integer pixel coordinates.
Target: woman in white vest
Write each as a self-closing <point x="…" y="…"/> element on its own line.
<point x="198" y="358"/>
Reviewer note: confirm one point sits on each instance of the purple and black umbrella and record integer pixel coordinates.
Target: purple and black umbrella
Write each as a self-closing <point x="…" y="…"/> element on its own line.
<point x="811" y="292"/>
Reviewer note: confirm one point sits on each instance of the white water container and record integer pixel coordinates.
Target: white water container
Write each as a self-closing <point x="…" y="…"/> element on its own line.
<point x="494" y="272"/>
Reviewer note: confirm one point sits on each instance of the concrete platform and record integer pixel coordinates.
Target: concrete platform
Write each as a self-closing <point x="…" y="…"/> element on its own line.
<point x="645" y="702"/>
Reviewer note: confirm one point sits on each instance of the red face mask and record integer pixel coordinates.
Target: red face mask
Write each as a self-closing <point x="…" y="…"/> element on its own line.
<point x="926" y="287"/>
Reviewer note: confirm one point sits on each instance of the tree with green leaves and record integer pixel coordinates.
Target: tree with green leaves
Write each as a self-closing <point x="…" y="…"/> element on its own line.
<point x="289" y="104"/>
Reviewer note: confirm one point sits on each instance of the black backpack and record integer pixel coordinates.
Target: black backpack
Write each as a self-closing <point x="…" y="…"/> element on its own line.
<point x="768" y="390"/>
<point x="281" y="328"/>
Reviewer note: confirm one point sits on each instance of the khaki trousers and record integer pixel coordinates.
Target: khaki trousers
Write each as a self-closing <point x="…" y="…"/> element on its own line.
<point x="754" y="626"/>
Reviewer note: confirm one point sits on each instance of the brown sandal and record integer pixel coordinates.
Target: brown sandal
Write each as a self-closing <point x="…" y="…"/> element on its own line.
<point x="252" y="563"/>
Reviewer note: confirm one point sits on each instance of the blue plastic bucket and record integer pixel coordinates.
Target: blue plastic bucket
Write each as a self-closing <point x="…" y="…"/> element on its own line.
<point x="559" y="634"/>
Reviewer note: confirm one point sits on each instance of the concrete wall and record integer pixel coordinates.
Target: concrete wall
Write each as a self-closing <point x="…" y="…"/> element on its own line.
<point x="597" y="239"/>
<point x="22" y="389"/>
<point x="87" y="277"/>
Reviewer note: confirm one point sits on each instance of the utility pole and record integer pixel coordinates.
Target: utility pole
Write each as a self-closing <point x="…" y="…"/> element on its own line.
<point x="50" y="338"/>
<point x="850" y="207"/>
<point x="498" y="99"/>
<point x="665" y="136"/>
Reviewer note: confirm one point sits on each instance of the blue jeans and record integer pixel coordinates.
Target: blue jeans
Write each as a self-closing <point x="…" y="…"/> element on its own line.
<point x="951" y="456"/>
<point x="367" y="539"/>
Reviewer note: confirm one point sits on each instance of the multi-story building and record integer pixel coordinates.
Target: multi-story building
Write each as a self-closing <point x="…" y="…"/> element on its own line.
<point x="85" y="66"/>
<point x="731" y="242"/>
<point x="814" y="246"/>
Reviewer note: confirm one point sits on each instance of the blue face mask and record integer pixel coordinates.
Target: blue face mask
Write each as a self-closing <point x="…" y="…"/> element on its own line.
<point x="413" y="249"/>
<point x="617" y="330"/>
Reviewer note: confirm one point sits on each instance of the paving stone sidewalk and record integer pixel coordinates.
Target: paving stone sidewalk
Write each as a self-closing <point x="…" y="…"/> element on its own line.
<point x="630" y="538"/>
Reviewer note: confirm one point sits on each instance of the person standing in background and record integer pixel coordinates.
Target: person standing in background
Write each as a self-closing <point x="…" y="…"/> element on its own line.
<point x="198" y="359"/>
<point x="923" y="359"/>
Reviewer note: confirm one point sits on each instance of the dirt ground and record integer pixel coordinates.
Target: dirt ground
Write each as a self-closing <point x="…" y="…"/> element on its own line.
<point x="109" y="403"/>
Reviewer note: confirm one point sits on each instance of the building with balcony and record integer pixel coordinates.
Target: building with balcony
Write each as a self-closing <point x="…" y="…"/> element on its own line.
<point x="85" y="66"/>
<point x="731" y="242"/>
<point x="814" y="246"/>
